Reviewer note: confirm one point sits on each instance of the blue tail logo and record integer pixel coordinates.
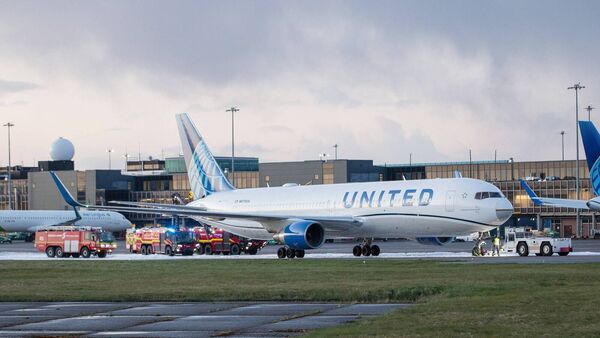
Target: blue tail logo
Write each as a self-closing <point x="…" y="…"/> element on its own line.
<point x="205" y="175"/>
<point x="591" y="144"/>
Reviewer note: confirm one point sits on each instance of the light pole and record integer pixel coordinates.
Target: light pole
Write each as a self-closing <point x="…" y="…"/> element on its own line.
<point x="589" y="110"/>
<point x="323" y="158"/>
<point x="109" y="151"/>
<point x="335" y="146"/>
<point x="126" y="157"/>
<point x="232" y="110"/>
<point x="577" y="87"/>
<point x="9" y="185"/>
<point x="562" y="135"/>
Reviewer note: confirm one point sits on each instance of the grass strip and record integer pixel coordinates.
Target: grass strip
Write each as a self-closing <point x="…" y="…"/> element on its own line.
<point x="451" y="299"/>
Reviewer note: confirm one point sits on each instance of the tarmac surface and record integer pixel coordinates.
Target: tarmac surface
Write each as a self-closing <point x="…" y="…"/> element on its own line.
<point x="231" y="319"/>
<point x="585" y="251"/>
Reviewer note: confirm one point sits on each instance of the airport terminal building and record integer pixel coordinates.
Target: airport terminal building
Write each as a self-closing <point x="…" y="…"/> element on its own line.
<point x="157" y="181"/>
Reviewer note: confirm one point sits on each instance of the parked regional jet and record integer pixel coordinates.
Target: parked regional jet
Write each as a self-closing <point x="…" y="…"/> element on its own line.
<point x="301" y="217"/>
<point x="591" y="144"/>
<point x="32" y="220"/>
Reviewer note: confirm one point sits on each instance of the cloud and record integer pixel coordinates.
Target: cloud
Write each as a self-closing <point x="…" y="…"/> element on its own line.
<point x="382" y="80"/>
<point x="7" y="87"/>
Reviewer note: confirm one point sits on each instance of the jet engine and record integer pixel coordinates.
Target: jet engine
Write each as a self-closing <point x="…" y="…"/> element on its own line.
<point x="301" y="235"/>
<point x="434" y="240"/>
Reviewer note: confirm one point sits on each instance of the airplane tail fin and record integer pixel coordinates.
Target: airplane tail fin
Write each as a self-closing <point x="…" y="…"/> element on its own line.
<point x="591" y="144"/>
<point x="205" y="175"/>
<point x="66" y="195"/>
<point x="532" y="195"/>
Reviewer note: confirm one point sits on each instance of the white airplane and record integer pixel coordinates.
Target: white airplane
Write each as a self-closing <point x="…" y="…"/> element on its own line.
<point x="301" y="217"/>
<point x="33" y="220"/>
<point x="591" y="144"/>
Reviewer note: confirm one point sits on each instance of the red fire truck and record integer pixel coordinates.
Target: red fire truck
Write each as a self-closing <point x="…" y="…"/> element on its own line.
<point x="168" y="241"/>
<point x="72" y="241"/>
<point x="215" y="241"/>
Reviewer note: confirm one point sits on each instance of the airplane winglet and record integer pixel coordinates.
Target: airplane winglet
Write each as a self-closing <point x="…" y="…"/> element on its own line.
<point x="532" y="195"/>
<point x="65" y="193"/>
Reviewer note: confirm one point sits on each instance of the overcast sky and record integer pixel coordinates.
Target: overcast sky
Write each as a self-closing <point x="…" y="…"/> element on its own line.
<point x="382" y="79"/>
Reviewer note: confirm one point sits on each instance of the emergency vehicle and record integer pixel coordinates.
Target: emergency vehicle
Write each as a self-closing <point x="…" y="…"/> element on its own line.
<point x="73" y="241"/>
<point x="160" y="240"/>
<point x="215" y="241"/>
<point x="525" y="242"/>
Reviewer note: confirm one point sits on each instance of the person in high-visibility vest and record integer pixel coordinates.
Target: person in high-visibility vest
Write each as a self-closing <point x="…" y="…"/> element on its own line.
<point x="496" y="249"/>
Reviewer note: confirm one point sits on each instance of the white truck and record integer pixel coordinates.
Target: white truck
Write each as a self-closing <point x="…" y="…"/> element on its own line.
<point x="525" y="242"/>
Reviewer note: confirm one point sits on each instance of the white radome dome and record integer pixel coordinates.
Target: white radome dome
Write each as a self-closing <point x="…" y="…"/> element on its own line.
<point x="62" y="150"/>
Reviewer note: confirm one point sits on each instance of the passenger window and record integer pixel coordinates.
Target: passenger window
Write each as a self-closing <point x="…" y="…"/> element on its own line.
<point x="478" y="196"/>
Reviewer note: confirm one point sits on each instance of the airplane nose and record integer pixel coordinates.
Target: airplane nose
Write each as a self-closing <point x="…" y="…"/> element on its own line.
<point x="504" y="210"/>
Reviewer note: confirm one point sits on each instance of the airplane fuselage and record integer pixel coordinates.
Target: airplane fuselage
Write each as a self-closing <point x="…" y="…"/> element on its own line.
<point x="419" y="208"/>
<point x="31" y="220"/>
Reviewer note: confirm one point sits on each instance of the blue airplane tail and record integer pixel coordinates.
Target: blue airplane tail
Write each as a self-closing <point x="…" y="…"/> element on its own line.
<point x="204" y="174"/>
<point x="591" y="144"/>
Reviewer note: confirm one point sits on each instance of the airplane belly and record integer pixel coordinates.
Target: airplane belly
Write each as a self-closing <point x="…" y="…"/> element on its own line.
<point x="243" y="228"/>
<point x="417" y="226"/>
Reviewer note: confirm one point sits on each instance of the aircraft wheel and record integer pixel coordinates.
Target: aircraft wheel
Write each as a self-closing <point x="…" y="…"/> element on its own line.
<point x="85" y="252"/>
<point x="547" y="249"/>
<point x="291" y="253"/>
<point x="357" y="251"/>
<point x="281" y="252"/>
<point x="50" y="251"/>
<point x="59" y="252"/>
<point x="366" y="250"/>
<point x="522" y="249"/>
<point x="375" y="250"/>
<point x="300" y="253"/>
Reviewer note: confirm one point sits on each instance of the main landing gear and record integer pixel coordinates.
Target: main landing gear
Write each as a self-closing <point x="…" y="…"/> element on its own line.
<point x="286" y="252"/>
<point x="366" y="249"/>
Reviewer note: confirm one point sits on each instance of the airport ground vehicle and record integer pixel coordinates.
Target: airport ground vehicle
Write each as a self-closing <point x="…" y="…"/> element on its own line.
<point x="5" y="239"/>
<point x="160" y="240"/>
<point x="525" y="242"/>
<point x="21" y="236"/>
<point x="73" y="241"/>
<point x="216" y="241"/>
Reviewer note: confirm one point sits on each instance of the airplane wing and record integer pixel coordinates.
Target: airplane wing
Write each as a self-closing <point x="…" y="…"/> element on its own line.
<point x="155" y="205"/>
<point x="554" y="202"/>
<point x="329" y="223"/>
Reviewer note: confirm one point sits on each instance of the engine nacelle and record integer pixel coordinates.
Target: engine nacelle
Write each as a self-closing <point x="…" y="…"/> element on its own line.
<point x="301" y="235"/>
<point x="434" y="240"/>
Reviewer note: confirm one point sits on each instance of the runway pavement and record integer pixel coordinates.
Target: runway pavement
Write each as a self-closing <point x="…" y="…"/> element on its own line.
<point x="231" y="319"/>
<point x="584" y="251"/>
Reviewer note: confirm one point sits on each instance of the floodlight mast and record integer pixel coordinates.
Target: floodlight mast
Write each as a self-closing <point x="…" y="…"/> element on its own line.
<point x="9" y="185"/>
<point x="232" y="110"/>
<point x="577" y="87"/>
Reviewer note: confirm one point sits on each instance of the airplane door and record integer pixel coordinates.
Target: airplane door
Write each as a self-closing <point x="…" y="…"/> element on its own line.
<point x="450" y="196"/>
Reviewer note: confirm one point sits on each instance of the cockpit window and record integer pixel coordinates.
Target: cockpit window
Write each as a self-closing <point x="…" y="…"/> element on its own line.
<point x="487" y="194"/>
